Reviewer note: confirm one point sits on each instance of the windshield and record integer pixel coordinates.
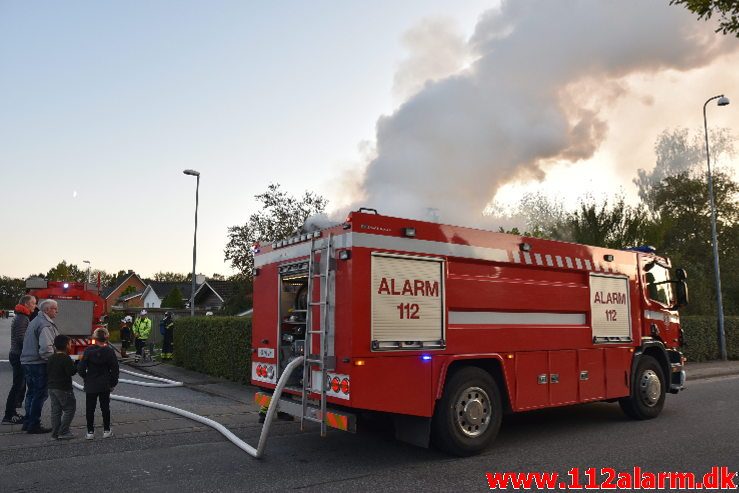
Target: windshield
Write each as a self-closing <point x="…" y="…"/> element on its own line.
<point x="659" y="287"/>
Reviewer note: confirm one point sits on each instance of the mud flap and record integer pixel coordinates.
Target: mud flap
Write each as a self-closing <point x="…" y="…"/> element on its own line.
<point x="415" y="430"/>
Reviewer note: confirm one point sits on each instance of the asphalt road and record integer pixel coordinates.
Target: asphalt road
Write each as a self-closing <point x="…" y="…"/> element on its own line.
<point x="155" y="451"/>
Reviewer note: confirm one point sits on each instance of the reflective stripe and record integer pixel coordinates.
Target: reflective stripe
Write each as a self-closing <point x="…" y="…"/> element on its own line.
<point x="513" y="318"/>
<point x="438" y="248"/>
<point x="337" y="421"/>
<point x="262" y="400"/>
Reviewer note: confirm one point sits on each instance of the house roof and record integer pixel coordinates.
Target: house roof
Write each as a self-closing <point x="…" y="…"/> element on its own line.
<point x="116" y="283"/>
<point x="222" y="289"/>
<point x="163" y="288"/>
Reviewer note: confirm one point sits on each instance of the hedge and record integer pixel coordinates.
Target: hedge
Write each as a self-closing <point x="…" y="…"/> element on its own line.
<point x="701" y="338"/>
<point x="221" y="346"/>
<point x="218" y="346"/>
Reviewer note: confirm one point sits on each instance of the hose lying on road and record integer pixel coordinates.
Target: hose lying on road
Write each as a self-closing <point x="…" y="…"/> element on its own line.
<point x="143" y="375"/>
<point x="254" y="452"/>
<point x="165" y="382"/>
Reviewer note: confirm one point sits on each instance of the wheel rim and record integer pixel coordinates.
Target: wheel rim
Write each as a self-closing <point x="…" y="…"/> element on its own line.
<point x="650" y="388"/>
<point x="473" y="411"/>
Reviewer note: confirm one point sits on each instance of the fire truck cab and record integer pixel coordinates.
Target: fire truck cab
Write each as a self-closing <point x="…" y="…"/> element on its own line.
<point x="445" y="328"/>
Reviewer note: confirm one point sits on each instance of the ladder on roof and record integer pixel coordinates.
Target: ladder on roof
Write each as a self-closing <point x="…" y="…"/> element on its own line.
<point x="317" y="356"/>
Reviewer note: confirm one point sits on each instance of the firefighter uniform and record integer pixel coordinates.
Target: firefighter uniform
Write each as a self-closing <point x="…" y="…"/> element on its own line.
<point x="168" y="332"/>
<point x="141" y="331"/>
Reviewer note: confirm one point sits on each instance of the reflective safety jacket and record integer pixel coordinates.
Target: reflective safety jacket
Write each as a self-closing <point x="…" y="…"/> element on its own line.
<point x="142" y="328"/>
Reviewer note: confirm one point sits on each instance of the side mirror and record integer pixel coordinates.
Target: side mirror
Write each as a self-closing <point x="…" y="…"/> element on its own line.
<point x="681" y="294"/>
<point x="680" y="274"/>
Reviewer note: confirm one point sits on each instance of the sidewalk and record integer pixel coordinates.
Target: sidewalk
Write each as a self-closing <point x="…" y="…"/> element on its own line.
<point x="708" y="369"/>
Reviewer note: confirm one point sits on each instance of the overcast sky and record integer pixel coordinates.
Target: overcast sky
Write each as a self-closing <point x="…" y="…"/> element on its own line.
<point x="103" y="104"/>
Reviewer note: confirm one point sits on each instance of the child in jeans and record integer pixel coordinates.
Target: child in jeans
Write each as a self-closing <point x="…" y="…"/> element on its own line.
<point x="99" y="368"/>
<point x="63" y="404"/>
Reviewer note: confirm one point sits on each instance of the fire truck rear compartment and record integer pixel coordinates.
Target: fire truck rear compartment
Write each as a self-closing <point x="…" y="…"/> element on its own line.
<point x="292" y="318"/>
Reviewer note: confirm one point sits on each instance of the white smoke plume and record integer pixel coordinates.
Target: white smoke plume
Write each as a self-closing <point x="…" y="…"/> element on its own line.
<point x="542" y="73"/>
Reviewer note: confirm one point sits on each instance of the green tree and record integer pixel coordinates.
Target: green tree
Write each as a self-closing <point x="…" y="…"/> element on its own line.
<point x="281" y="216"/>
<point x="173" y="299"/>
<point x="615" y="225"/>
<point x="11" y="289"/>
<point x="240" y="300"/>
<point x="726" y="10"/>
<point x="66" y="272"/>
<point x="680" y="204"/>
<point x="172" y="277"/>
<point x="127" y="291"/>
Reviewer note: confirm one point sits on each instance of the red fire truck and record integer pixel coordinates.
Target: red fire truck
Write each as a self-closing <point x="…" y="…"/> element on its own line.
<point x="445" y="328"/>
<point x="81" y="308"/>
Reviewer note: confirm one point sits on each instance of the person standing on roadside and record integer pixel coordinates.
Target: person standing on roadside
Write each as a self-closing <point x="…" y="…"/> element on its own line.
<point x="38" y="346"/>
<point x="141" y="330"/>
<point x="61" y="394"/>
<point x="23" y="311"/>
<point x="125" y="335"/>
<point x="99" y="368"/>
<point x="167" y="326"/>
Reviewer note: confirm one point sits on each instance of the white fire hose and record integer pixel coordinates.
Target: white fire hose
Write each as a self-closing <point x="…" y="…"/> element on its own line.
<point x="165" y="382"/>
<point x="254" y="452"/>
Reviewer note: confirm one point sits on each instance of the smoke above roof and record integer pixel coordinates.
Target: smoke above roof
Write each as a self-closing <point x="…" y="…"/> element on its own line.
<point x="529" y="91"/>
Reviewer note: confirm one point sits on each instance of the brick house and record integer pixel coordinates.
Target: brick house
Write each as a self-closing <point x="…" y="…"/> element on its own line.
<point x="114" y="293"/>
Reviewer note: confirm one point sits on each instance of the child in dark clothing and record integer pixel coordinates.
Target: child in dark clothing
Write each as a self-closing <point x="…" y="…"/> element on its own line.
<point x="63" y="404"/>
<point x="99" y="368"/>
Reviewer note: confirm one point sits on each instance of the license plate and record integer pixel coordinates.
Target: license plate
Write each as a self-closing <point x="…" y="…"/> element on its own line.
<point x="265" y="352"/>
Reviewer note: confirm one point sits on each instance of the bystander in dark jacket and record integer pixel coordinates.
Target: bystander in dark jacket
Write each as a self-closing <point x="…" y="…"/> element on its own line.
<point x="23" y="311"/>
<point x="63" y="404"/>
<point x="99" y="368"/>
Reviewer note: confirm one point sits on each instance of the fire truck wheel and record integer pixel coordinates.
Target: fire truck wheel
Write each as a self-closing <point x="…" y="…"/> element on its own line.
<point x="468" y="415"/>
<point x="647" y="391"/>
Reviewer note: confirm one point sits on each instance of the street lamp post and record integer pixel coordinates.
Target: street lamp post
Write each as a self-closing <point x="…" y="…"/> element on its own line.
<point x="196" y="174"/>
<point x="722" y="101"/>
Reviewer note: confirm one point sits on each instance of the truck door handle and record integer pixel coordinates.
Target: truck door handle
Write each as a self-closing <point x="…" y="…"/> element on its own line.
<point x="543" y="379"/>
<point x="584" y="375"/>
<point x="554" y="378"/>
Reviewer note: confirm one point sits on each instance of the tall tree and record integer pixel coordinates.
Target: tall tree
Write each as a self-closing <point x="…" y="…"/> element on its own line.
<point x="726" y="10"/>
<point x="171" y="277"/>
<point x="680" y="151"/>
<point x="682" y="209"/>
<point x="66" y="272"/>
<point x="11" y="289"/>
<point x="615" y="225"/>
<point x="173" y="299"/>
<point x="281" y="216"/>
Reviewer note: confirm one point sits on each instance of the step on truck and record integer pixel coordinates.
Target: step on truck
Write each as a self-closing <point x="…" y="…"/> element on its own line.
<point x="445" y="328"/>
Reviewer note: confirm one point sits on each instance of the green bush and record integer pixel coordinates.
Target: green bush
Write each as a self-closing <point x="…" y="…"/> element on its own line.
<point x="701" y="337"/>
<point x="218" y="346"/>
<point x="114" y="325"/>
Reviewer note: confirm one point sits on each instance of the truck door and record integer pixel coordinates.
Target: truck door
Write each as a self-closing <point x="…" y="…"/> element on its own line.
<point x="532" y="379"/>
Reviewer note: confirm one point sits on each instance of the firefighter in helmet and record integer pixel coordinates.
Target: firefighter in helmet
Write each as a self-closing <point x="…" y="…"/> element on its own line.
<point x="125" y="335"/>
<point x="166" y="327"/>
